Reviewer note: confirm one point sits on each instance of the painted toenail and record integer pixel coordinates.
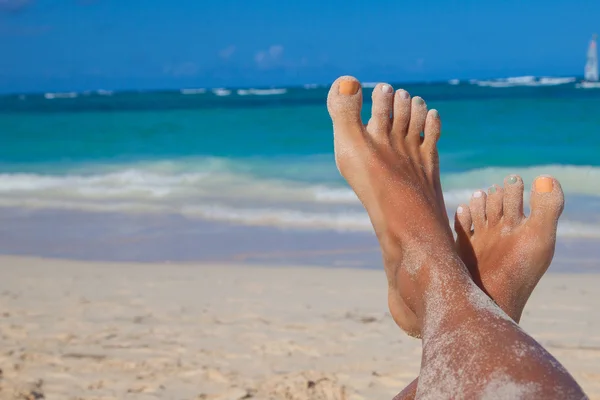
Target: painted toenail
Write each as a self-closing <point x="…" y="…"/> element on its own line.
<point x="492" y="190"/>
<point x="386" y="89"/>
<point x="512" y="180"/>
<point x="460" y="210"/>
<point x="419" y="101"/>
<point x="349" y="87"/>
<point x="543" y="184"/>
<point x="478" y="194"/>
<point x="403" y="94"/>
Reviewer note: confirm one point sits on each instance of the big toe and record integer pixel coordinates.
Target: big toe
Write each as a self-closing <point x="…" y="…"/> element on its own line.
<point x="547" y="202"/>
<point x="344" y="102"/>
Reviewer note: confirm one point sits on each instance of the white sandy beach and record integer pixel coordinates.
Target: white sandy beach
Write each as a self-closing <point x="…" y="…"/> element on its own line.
<point x="83" y="330"/>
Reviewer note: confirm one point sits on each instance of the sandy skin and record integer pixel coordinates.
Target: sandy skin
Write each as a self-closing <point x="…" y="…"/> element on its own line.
<point x="471" y="348"/>
<point x="507" y="253"/>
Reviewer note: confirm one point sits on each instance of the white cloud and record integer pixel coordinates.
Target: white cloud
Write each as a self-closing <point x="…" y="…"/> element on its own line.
<point x="227" y="52"/>
<point x="260" y="57"/>
<point x="276" y="51"/>
<point x="269" y="58"/>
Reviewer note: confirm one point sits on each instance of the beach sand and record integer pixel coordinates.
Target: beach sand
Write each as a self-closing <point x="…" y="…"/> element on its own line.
<point x="88" y="330"/>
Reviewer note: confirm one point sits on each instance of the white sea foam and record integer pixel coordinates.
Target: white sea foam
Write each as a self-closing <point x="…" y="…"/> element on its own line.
<point x="215" y="189"/>
<point x="588" y="85"/>
<point x="582" y="180"/>
<point x="66" y="95"/>
<point x="193" y="91"/>
<point x="261" y="92"/>
<point x="552" y="81"/>
<point x="221" y="92"/>
<point x="523" y="81"/>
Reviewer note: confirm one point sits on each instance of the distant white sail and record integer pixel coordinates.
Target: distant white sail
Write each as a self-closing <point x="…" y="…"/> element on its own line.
<point x="591" y="67"/>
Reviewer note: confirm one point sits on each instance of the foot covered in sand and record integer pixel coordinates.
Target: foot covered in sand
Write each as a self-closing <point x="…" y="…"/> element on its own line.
<point x="471" y="348"/>
<point x="506" y="252"/>
<point x="392" y="165"/>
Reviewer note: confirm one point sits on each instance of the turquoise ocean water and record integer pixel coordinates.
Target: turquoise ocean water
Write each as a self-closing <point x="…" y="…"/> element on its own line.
<point x="264" y="157"/>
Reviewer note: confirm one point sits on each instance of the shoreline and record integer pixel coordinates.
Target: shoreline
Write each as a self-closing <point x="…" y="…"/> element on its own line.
<point x="184" y="330"/>
<point x="116" y="237"/>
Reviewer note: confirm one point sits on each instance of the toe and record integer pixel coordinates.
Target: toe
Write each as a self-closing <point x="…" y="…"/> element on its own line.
<point x="344" y="103"/>
<point x="418" y="115"/>
<point x="433" y="129"/>
<point x="429" y="153"/>
<point x="462" y="223"/>
<point x="477" y="206"/>
<point x="430" y="156"/>
<point x="380" y="123"/>
<point x="401" y="116"/>
<point x="512" y="204"/>
<point x="493" y="205"/>
<point x="547" y="202"/>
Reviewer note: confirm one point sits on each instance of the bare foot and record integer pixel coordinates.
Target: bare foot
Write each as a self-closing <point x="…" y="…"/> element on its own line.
<point x="507" y="253"/>
<point x="492" y="262"/>
<point x="392" y="165"/>
<point x="393" y="171"/>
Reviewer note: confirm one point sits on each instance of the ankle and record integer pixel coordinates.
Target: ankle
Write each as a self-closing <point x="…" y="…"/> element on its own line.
<point x="439" y="283"/>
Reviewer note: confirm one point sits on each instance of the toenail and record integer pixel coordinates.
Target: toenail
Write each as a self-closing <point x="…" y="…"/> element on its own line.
<point x="543" y="184"/>
<point x="460" y="210"/>
<point x="512" y="180"/>
<point x="478" y="194"/>
<point x="419" y="101"/>
<point x="386" y="89"/>
<point x="403" y="94"/>
<point x="348" y="87"/>
<point x="434" y="113"/>
<point x="492" y="190"/>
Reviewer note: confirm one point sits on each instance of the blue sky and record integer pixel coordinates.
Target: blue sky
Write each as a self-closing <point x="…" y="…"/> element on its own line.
<point x="117" y="44"/>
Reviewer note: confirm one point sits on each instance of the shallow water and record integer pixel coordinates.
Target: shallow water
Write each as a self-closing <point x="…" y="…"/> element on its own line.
<point x="265" y="158"/>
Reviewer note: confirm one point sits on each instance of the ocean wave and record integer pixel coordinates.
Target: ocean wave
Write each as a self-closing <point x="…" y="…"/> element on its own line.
<point x="66" y="95"/>
<point x="552" y="81"/>
<point x="221" y="92"/>
<point x="523" y="81"/>
<point x="244" y="180"/>
<point x="581" y="180"/>
<point x="224" y="190"/>
<point x="102" y="92"/>
<point x="261" y="92"/>
<point x="341" y="220"/>
<point x="193" y="91"/>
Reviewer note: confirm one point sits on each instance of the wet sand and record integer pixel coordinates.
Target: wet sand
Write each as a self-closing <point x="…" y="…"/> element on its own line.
<point x="118" y="237"/>
<point x="86" y="330"/>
